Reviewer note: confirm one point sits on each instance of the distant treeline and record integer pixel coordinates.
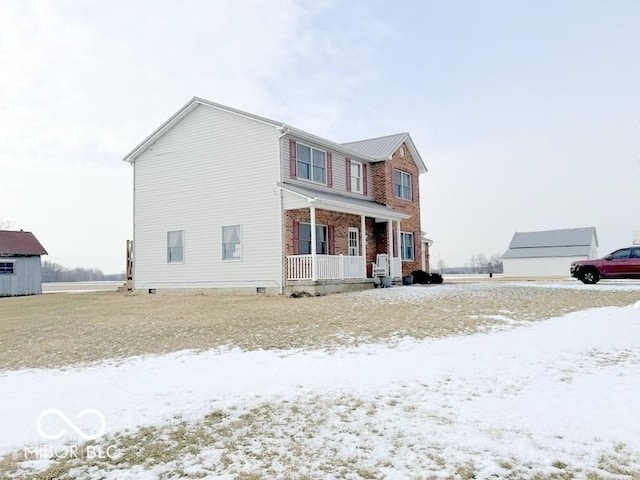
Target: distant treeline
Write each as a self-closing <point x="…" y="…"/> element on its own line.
<point x="53" y="272"/>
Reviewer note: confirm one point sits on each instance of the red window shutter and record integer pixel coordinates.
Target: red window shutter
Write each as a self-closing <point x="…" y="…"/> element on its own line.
<point x="332" y="240"/>
<point x="296" y="238"/>
<point x="416" y="246"/>
<point x="329" y="169"/>
<point x="347" y="162"/>
<point x="292" y="159"/>
<point x="365" y="185"/>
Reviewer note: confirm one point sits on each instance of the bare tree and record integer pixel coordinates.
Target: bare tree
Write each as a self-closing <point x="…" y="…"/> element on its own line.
<point x="441" y="264"/>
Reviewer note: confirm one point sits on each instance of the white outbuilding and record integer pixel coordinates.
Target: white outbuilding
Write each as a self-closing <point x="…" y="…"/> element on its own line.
<point x="20" y="267"/>
<point x="548" y="253"/>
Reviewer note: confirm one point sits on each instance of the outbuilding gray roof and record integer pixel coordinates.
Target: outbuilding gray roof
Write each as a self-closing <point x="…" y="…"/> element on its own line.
<point x="573" y="242"/>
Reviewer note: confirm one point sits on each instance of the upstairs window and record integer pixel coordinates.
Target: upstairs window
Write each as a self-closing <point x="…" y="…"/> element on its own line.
<point x="6" y="267"/>
<point x="402" y="184"/>
<point x="311" y="164"/>
<point x="356" y="176"/>
<point x="175" y="246"/>
<point x="232" y="243"/>
<point x="406" y="245"/>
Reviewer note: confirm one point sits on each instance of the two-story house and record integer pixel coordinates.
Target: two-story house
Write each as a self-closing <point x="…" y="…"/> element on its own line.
<point x="228" y="200"/>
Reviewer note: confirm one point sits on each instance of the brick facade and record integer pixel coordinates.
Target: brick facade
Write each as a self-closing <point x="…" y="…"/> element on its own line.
<point x="383" y="193"/>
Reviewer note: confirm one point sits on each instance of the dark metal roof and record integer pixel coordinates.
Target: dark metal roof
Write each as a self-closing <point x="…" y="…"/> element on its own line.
<point x="20" y="243"/>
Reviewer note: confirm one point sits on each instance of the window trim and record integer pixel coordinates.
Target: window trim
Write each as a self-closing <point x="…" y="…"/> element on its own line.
<point x="351" y="177"/>
<point x="326" y="168"/>
<point x="326" y="241"/>
<point x="231" y="259"/>
<point x="176" y="262"/>
<point x="402" y="248"/>
<point x="410" y="185"/>
<point x="6" y="272"/>
<point x="355" y="230"/>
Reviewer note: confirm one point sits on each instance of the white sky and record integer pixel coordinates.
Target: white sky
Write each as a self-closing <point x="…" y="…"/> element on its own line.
<point x="527" y="114"/>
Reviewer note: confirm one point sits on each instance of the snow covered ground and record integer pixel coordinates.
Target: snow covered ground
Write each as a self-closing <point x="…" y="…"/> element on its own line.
<point x="559" y="396"/>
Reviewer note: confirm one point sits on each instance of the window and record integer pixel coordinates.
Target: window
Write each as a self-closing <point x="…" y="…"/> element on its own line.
<point x="175" y="246"/>
<point x="354" y="241"/>
<point x="6" y="267"/>
<point x="402" y="184"/>
<point x="305" y="239"/>
<point x="311" y="164"/>
<point x="232" y="243"/>
<point x="356" y="176"/>
<point x="406" y="245"/>
<point x="635" y="253"/>
<point x="624" y="253"/>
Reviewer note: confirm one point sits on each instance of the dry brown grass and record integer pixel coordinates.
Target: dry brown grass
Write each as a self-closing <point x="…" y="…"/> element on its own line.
<point x="63" y="329"/>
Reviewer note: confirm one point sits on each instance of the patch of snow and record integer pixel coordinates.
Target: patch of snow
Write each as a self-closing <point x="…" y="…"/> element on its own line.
<point x="537" y="394"/>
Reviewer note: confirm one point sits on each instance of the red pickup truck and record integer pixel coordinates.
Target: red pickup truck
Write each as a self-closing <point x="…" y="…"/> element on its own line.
<point x="623" y="263"/>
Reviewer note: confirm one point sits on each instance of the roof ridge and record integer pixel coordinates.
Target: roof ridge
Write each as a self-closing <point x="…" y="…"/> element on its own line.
<point x="376" y="138"/>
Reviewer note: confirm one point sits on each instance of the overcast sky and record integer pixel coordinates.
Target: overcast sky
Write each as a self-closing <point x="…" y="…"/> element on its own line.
<point x="526" y="113"/>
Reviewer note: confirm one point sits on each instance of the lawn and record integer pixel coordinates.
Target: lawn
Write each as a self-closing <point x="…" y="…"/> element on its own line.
<point x="58" y="330"/>
<point x="485" y="381"/>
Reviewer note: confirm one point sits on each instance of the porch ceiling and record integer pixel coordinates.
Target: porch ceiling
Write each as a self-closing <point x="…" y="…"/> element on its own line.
<point x="304" y="198"/>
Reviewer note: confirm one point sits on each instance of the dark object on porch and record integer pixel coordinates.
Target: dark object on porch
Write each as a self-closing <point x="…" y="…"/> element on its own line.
<point x="407" y="280"/>
<point x="436" y="278"/>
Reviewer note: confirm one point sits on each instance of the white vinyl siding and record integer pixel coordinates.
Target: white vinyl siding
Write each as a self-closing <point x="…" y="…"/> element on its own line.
<point x="339" y="177"/>
<point x="189" y="179"/>
<point x="23" y="277"/>
<point x="539" y="267"/>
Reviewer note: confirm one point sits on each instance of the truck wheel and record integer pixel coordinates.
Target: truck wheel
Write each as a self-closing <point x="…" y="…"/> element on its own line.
<point x="590" y="276"/>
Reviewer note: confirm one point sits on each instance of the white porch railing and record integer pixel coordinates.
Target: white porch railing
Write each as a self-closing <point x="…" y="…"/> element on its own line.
<point x="328" y="267"/>
<point x="396" y="268"/>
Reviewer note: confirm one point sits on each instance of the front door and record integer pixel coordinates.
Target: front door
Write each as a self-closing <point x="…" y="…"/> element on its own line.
<point x="354" y="241"/>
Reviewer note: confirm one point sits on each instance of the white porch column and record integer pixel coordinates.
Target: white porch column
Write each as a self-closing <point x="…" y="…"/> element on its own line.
<point x="314" y="260"/>
<point x="399" y="240"/>
<point x="390" y="243"/>
<point x="363" y="242"/>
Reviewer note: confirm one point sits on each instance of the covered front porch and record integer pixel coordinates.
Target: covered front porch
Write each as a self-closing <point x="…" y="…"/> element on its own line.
<point x="338" y="239"/>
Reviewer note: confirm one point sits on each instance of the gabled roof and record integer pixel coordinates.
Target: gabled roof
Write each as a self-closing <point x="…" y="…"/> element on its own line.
<point x="20" y="243"/>
<point x="283" y="127"/>
<point x="382" y="148"/>
<point x="552" y="243"/>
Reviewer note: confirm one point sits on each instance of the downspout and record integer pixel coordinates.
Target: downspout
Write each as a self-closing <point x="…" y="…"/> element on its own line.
<point x="283" y="278"/>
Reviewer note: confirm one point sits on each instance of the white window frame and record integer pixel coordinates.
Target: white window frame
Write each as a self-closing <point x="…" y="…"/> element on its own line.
<point x="356" y="180"/>
<point x="354" y="251"/>
<point x="237" y="255"/>
<point x="169" y="261"/>
<point x="4" y="269"/>
<point x="406" y="187"/>
<point x="311" y="164"/>
<point x="326" y="238"/>
<point x="403" y="246"/>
